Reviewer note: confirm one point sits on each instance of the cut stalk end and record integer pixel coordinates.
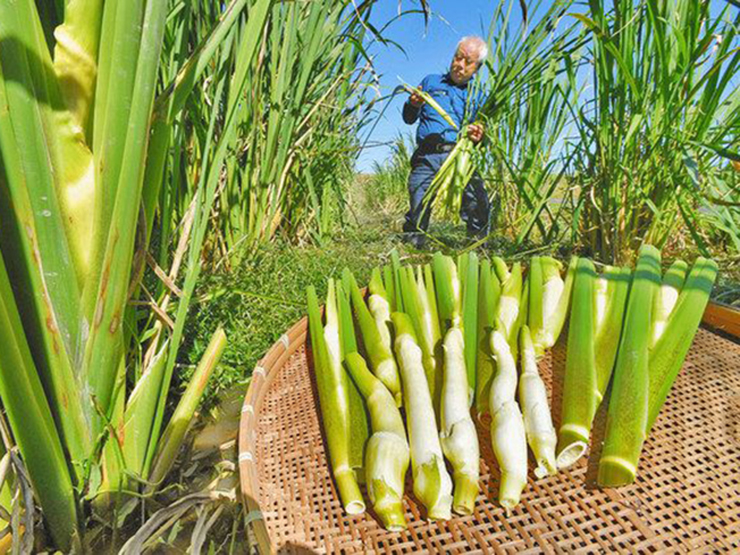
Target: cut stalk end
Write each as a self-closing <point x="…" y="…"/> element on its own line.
<point x="433" y="487"/>
<point x="574" y="448"/>
<point x="546" y="467"/>
<point x="349" y="492"/>
<point x="466" y="491"/>
<point x="510" y="490"/>
<point x="388" y="506"/>
<point x="615" y="472"/>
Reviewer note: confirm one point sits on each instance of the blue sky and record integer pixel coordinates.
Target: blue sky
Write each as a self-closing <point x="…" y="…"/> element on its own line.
<point x="427" y="50"/>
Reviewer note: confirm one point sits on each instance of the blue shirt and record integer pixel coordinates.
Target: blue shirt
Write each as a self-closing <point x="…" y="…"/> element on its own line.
<point x="453" y="100"/>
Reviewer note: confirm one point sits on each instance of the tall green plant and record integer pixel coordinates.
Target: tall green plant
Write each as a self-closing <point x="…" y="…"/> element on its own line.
<point x="75" y="126"/>
<point x="389" y="179"/>
<point x="664" y="106"/>
<point x="531" y="79"/>
<point x="297" y="127"/>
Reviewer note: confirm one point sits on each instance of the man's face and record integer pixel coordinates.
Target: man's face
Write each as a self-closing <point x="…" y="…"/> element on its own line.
<point x="464" y="64"/>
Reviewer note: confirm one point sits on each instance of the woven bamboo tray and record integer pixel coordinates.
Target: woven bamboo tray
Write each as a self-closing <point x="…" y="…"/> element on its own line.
<point x="686" y="497"/>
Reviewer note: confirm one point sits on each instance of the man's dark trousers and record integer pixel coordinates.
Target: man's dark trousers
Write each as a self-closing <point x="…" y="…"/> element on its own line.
<point x="474" y="209"/>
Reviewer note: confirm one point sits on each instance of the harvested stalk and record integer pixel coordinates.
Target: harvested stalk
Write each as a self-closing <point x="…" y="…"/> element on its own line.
<point x="429" y="99"/>
<point x="432" y="483"/>
<point x="390" y="286"/>
<point x="418" y="303"/>
<point x="447" y="287"/>
<point x="507" y="425"/>
<point x="444" y="194"/>
<point x="379" y="307"/>
<point x="470" y="318"/>
<point x="359" y="429"/>
<point x="488" y="297"/>
<point x="541" y="434"/>
<point x="509" y="305"/>
<point x="387" y="456"/>
<point x="627" y="419"/>
<point x="458" y="435"/>
<point x="334" y="404"/>
<point x="549" y="298"/>
<point x="666" y="299"/>
<point x="671" y="347"/>
<point x="643" y="380"/>
<point x="598" y="305"/>
<point x="381" y="357"/>
<point x="396" y="272"/>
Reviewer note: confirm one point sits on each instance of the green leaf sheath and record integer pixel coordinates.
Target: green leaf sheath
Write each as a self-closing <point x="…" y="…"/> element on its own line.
<point x="396" y="266"/>
<point x="381" y="357"/>
<point x="627" y="416"/>
<point x="536" y="317"/>
<point x="611" y="299"/>
<point x="174" y="433"/>
<point x="359" y="430"/>
<point x="139" y="414"/>
<point x="30" y="418"/>
<point x="470" y="320"/>
<point x="333" y="402"/>
<point x="488" y="295"/>
<point x="669" y="353"/>
<point x="580" y="395"/>
<point x="666" y="299"/>
<point x="447" y="287"/>
<point x="34" y="245"/>
<point x="111" y="288"/>
<point x="390" y="286"/>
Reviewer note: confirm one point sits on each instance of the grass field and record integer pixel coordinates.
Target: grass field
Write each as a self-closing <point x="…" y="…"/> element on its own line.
<point x="258" y="300"/>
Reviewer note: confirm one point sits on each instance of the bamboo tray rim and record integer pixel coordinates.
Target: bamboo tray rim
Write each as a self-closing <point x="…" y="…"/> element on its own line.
<point x="717" y="318"/>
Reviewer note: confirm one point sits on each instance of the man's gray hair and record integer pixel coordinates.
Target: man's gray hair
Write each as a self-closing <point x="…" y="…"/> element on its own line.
<point x="480" y="45"/>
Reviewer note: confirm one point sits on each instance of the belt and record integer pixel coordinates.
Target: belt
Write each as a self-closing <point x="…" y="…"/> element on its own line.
<point x="436" y="148"/>
<point x="444" y="147"/>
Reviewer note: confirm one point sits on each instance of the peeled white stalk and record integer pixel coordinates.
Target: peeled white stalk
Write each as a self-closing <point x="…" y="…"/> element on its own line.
<point x="552" y="292"/>
<point x="541" y="434"/>
<point x="432" y="483"/>
<point x="387" y="452"/>
<point x="507" y="425"/>
<point x="459" y="437"/>
<point x="449" y="295"/>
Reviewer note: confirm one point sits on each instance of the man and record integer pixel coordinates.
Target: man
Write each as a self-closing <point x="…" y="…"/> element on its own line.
<point x="435" y="138"/>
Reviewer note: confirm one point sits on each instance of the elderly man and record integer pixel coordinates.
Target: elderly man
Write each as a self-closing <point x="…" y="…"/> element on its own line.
<point x="435" y="138"/>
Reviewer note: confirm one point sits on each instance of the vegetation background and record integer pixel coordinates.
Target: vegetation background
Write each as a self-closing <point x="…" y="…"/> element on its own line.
<point x="210" y="150"/>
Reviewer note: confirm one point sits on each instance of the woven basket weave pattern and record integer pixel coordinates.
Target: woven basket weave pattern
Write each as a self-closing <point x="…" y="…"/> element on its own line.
<point x="686" y="497"/>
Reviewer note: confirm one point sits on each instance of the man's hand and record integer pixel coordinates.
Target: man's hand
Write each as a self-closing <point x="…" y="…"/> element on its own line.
<point x="416" y="99"/>
<point x="475" y="133"/>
